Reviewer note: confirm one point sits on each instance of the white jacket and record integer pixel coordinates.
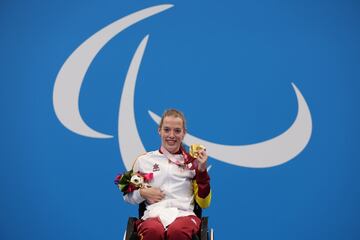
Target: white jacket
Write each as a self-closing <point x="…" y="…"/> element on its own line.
<point x="173" y="180"/>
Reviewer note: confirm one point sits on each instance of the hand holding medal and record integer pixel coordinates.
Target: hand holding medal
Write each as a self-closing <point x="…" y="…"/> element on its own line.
<point x="198" y="151"/>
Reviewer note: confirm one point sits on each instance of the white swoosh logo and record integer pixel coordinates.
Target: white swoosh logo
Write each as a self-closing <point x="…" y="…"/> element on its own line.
<point x="71" y="75"/>
<point x="129" y="140"/>
<point x="269" y="153"/>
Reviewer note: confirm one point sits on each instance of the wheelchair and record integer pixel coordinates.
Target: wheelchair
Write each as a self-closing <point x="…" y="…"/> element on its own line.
<point x="203" y="234"/>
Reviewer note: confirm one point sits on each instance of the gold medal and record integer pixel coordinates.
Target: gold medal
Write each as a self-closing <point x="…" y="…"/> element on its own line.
<point x="195" y="148"/>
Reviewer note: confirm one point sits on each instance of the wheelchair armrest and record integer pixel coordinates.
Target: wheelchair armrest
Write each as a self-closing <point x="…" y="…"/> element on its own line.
<point x="130" y="229"/>
<point x="204" y="228"/>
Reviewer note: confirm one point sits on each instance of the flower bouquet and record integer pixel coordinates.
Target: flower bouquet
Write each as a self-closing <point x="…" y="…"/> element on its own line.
<point x="130" y="181"/>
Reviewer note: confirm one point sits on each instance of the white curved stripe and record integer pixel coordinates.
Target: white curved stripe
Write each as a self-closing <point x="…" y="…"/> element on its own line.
<point x="272" y="152"/>
<point x="70" y="77"/>
<point x="129" y="139"/>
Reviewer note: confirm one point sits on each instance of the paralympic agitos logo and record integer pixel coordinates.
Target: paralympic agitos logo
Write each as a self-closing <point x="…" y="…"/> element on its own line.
<point x="272" y="152"/>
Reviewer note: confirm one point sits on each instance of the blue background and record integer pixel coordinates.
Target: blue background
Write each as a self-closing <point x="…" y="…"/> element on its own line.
<point x="229" y="66"/>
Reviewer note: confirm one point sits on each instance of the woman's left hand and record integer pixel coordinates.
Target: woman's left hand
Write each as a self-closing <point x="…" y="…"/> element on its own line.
<point x="202" y="160"/>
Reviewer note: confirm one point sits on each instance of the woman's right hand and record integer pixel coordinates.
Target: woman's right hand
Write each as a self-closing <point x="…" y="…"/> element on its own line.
<point x="152" y="194"/>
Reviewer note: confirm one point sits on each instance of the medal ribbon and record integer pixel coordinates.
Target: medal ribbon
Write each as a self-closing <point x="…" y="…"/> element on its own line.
<point x="188" y="160"/>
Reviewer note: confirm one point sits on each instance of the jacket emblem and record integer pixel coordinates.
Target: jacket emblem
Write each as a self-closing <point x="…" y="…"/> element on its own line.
<point x="156" y="167"/>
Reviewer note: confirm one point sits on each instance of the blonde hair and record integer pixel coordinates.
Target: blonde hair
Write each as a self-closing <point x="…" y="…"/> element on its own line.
<point x="173" y="113"/>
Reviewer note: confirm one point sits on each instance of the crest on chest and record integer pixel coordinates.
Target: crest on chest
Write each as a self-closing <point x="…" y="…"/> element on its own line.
<point x="156" y="167"/>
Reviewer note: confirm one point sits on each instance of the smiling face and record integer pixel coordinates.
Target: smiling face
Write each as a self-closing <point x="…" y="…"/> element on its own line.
<point x="172" y="133"/>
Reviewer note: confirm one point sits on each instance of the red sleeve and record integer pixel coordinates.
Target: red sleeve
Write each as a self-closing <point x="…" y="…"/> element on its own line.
<point x="203" y="181"/>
